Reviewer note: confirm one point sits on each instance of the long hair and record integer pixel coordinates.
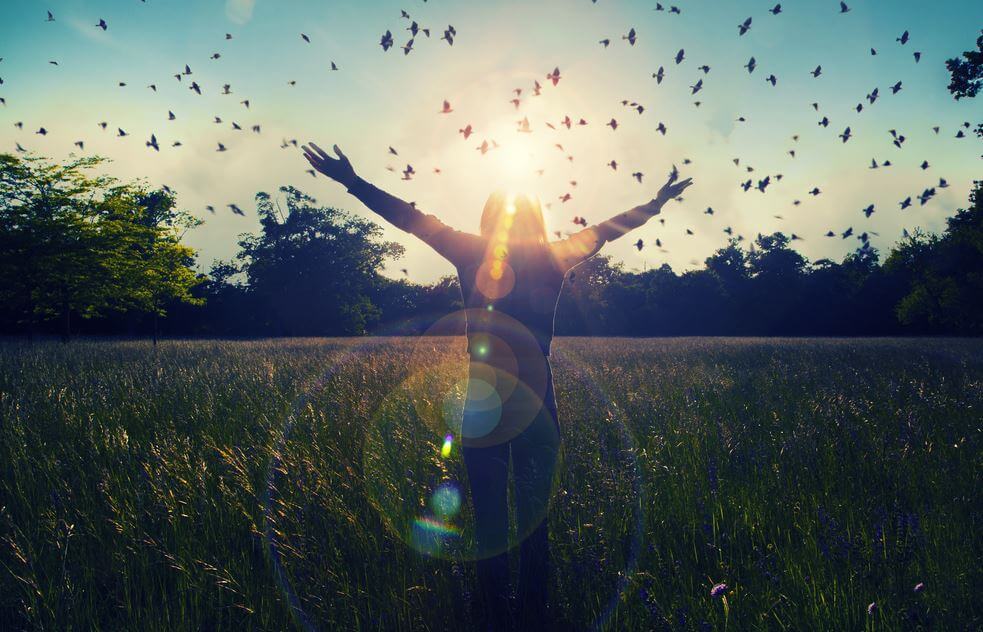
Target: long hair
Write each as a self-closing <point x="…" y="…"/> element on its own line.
<point x="519" y="217"/>
<point x="515" y="231"/>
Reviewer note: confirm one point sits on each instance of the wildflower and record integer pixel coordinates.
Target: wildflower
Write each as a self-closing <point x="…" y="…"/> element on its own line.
<point x="872" y="608"/>
<point x="718" y="590"/>
<point x="919" y="587"/>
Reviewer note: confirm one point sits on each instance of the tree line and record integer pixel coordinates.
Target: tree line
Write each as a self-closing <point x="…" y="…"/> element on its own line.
<point x="84" y="254"/>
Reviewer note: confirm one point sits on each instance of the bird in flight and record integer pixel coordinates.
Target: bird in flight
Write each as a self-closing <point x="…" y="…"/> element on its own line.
<point x="554" y="76"/>
<point x="387" y="41"/>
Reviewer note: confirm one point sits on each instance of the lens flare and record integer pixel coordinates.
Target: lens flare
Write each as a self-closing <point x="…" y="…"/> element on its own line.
<point x="446" y="501"/>
<point x="445" y="450"/>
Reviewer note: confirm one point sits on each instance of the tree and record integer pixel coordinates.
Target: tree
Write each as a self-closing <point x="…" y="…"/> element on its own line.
<point x="774" y="298"/>
<point x="944" y="273"/>
<point x="967" y="74"/>
<point x="312" y="270"/>
<point x="76" y="244"/>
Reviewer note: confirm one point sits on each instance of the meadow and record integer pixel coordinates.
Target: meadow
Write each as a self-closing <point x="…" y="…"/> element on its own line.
<point x="290" y="484"/>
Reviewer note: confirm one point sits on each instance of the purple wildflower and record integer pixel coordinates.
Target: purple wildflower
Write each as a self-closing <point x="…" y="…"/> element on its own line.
<point x="919" y="587"/>
<point x="872" y="608"/>
<point x="718" y="590"/>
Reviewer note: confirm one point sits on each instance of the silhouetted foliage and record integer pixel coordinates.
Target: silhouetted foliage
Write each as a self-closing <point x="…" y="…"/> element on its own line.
<point x="115" y="259"/>
<point x="943" y="274"/>
<point x="312" y="271"/>
<point x="967" y="73"/>
<point x="72" y="244"/>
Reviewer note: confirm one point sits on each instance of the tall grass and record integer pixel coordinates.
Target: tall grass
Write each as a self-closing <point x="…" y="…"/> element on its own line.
<point x="273" y="485"/>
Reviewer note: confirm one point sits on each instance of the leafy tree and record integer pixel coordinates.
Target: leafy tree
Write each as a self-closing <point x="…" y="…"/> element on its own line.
<point x="312" y="270"/>
<point x="76" y="244"/>
<point x="967" y="74"/>
<point x="772" y="303"/>
<point x="944" y="273"/>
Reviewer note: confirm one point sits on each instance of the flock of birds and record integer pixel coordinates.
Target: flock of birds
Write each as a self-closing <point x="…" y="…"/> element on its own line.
<point x="520" y="95"/>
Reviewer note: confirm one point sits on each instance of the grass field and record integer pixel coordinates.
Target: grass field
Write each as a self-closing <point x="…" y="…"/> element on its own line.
<point x="277" y="484"/>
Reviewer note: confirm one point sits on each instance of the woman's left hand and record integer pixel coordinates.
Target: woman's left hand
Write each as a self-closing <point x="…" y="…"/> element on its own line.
<point x="673" y="189"/>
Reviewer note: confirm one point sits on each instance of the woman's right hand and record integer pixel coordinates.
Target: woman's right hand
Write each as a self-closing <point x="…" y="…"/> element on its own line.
<point x="338" y="169"/>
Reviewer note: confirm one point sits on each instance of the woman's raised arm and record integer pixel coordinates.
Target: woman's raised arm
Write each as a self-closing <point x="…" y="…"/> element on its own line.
<point x="586" y="243"/>
<point x="453" y="245"/>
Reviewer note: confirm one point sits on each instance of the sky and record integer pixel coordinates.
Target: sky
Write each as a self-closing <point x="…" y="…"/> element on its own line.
<point x="380" y="99"/>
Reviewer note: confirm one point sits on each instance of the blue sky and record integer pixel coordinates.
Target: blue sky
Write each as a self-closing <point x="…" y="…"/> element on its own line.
<point x="379" y="99"/>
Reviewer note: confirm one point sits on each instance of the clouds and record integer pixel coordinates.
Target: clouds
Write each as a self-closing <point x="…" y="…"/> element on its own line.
<point x="240" y="11"/>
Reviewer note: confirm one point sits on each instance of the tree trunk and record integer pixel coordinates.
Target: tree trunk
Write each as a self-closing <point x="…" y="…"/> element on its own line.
<point x="155" y="328"/>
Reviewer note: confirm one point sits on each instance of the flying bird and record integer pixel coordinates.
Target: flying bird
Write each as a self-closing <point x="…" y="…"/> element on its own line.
<point x="554" y="76"/>
<point x="449" y="33"/>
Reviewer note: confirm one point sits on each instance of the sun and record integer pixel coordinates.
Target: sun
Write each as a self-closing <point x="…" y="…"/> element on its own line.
<point x="514" y="163"/>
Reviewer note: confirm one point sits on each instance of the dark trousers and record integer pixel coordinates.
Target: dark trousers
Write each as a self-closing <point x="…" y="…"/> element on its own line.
<point x="534" y="454"/>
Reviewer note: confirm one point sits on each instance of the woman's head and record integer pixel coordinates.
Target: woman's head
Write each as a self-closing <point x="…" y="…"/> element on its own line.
<point x="513" y="220"/>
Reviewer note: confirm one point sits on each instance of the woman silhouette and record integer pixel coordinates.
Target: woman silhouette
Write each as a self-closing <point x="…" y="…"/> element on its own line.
<point x="510" y="278"/>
